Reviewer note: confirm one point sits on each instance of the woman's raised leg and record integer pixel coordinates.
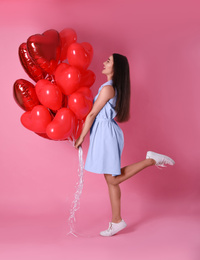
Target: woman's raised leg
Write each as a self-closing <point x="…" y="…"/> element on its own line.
<point x="129" y="171"/>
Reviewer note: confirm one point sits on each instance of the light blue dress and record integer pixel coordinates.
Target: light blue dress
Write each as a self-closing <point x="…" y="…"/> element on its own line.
<point x="106" y="140"/>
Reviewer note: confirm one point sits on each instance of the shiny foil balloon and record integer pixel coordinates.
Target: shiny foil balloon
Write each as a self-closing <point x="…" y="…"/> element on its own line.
<point x="62" y="125"/>
<point x="37" y="119"/>
<point x="56" y="107"/>
<point x="33" y="71"/>
<point x="25" y="95"/>
<point x="45" y="50"/>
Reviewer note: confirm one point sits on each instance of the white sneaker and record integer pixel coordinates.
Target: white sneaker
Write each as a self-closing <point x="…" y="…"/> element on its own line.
<point x="160" y="159"/>
<point x="113" y="229"/>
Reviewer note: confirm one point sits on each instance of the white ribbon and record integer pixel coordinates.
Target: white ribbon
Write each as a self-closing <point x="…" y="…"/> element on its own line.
<point x="79" y="187"/>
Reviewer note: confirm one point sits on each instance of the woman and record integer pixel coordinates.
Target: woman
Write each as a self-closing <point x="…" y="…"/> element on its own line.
<point x="106" y="137"/>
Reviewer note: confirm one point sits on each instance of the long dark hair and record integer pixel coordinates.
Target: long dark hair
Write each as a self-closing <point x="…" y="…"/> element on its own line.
<point x="121" y="81"/>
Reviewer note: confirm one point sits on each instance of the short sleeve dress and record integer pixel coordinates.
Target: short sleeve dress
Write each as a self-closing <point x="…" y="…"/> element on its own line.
<point x="106" y="140"/>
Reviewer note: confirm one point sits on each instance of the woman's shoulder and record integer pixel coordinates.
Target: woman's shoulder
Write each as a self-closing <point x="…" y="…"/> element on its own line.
<point x="108" y="90"/>
<point x="108" y="83"/>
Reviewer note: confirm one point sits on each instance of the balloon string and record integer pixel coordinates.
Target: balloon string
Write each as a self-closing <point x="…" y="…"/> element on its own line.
<point x="79" y="187"/>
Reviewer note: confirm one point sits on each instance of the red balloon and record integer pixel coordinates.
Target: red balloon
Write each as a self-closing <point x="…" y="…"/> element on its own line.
<point x="25" y="95"/>
<point x="67" y="78"/>
<point x="62" y="125"/>
<point x="49" y="94"/>
<point x="37" y="119"/>
<point x="43" y="135"/>
<point x="88" y="48"/>
<point x="67" y="36"/>
<point x="45" y="50"/>
<point x="34" y="72"/>
<point x="78" y="129"/>
<point x="80" y="102"/>
<point x="61" y="99"/>
<point x="80" y="55"/>
<point x="87" y="78"/>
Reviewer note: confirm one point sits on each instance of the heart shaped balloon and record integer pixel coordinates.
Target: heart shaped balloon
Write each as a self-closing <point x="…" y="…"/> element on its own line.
<point x="67" y="36"/>
<point x="61" y="99"/>
<point x="87" y="78"/>
<point x="25" y="95"/>
<point x="80" y="102"/>
<point x="62" y="125"/>
<point x="45" y="50"/>
<point x="88" y="48"/>
<point x="49" y="94"/>
<point x="37" y="119"/>
<point x="67" y="78"/>
<point x="80" y="55"/>
<point x="33" y="71"/>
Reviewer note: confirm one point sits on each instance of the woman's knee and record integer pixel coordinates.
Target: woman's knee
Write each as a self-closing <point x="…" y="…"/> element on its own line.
<point x="111" y="180"/>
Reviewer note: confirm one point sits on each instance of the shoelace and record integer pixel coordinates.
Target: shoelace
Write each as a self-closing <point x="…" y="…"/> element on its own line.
<point x="110" y="226"/>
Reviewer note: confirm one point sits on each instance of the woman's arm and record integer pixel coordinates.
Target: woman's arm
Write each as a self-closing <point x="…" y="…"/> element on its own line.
<point x="105" y="94"/>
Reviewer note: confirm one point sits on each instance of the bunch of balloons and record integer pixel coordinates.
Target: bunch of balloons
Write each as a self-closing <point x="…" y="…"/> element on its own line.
<point x="56" y="107"/>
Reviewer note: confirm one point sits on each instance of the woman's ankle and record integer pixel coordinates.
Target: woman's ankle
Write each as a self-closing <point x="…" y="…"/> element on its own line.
<point x="116" y="220"/>
<point x="151" y="162"/>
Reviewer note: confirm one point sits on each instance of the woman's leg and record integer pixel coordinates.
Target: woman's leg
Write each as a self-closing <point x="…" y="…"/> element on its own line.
<point x="126" y="173"/>
<point x="129" y="171"/>
<point x="115" y="199"/>
<point x="114" y="189"/>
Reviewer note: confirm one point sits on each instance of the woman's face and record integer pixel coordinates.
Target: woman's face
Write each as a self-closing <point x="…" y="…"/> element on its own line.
<point x="108" y="67"/>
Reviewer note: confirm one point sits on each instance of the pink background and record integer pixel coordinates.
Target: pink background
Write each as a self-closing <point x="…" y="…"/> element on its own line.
<point x="161" y="207"/>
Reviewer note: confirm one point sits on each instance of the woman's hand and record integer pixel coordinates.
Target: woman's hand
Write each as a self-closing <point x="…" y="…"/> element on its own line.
<point x="78" y="142"/>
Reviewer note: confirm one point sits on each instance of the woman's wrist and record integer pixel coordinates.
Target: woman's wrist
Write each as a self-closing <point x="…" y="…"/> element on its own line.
<point x="81" y="137"/>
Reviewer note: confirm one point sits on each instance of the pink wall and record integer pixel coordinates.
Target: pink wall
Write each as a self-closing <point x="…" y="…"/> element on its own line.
<point x="162" y="42"/>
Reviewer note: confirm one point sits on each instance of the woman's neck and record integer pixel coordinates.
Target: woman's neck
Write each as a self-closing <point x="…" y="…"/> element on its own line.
<point x="109" y="77"/>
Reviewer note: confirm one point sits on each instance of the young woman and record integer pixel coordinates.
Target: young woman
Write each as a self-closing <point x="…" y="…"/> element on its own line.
<point x="106" y="137"/>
